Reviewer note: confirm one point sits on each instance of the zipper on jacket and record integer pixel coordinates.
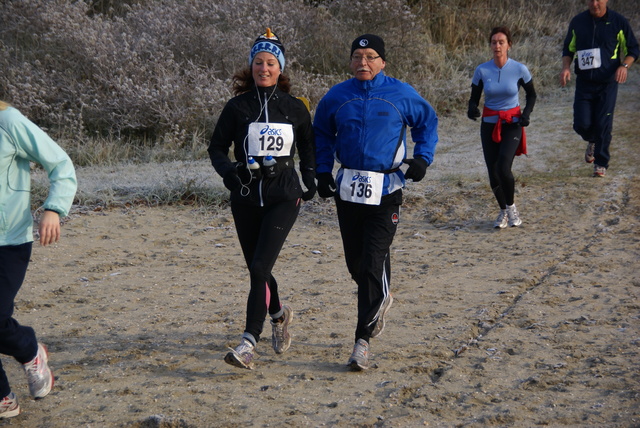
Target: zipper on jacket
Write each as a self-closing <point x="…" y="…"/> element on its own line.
<point x="266" y="117"/>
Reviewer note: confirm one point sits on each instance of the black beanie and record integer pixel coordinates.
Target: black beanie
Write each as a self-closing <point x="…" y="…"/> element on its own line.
<point x="370" y="41"/>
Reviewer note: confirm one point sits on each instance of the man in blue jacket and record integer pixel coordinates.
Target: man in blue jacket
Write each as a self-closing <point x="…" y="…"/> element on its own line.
<point x="361" y="123"/>
<point x="602" y="45"/>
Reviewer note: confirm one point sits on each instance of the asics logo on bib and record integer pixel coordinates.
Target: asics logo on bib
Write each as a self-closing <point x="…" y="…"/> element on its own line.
<point x="361" y="178"/>
<point x="267" y="130"/>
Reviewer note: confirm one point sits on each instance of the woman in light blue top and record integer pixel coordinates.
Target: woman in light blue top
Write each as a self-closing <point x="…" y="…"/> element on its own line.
<point x="502" y="130"/>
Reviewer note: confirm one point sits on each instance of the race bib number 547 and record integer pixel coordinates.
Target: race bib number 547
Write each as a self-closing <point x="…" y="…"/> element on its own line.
<point x="362" y="187"/>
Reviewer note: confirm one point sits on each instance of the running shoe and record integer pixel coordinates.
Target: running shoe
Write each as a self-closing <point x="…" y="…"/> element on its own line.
<point x="502" y="221"/>
<point x="589" y="153"/>
<point x="38" y="373"/>
<point x="599" y="171"/>
<point x="241" y="356"/>
<point x="9" y="406"/>
<point x="384" y="308"/>
<point x="280" y="337"/>
<point x="513" y="217"/>
<point x="359" y="359"/>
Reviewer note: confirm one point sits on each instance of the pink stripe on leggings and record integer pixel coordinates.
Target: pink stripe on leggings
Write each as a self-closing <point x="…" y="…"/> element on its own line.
<point x="267" y="294"/>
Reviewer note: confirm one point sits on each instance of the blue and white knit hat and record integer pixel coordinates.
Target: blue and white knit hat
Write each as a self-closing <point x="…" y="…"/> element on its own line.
<point x="268" y="42"/>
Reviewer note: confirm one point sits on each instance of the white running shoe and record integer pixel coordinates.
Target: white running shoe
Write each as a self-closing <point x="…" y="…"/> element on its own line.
<point x="38" y="373"/>
<point x="359" y="359"/>
<point x="599" y="171"/>
<point x="242" y="355"/>
<point x="9" y="406"/>
<point x="513" y="216"/>
<point x="280" y="337"/>
<point x="502" y="221"/>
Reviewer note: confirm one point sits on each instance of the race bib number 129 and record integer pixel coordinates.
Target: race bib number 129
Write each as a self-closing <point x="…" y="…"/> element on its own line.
<point x="273" y="139"/>
<point x="362" y="187"/>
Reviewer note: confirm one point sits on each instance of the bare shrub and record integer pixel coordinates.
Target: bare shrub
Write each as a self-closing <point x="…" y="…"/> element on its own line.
<point x="152" y="76"/>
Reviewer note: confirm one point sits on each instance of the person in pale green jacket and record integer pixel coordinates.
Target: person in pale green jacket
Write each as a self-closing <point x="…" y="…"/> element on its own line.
<point x="22" y="142"/>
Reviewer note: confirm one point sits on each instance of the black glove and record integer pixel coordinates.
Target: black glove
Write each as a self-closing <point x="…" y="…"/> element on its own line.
<point x="524" y="120"/>
<point x="231" y="180"/>
<point x="473" y="113"/>
<point x="309" y="180"/>
<point x="417" y="169"/>
<point x="326" y="185"/>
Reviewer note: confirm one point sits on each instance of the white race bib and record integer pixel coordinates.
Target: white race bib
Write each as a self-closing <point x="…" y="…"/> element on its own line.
<point x="362" y="187"/>
<point x="589" y="58"/>
<point x="273" y="139"/>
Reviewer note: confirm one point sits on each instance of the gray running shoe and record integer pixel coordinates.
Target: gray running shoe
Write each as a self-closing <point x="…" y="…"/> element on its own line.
<point x="359" y="359"/>
<point x="599" y="171"/>
<point x="241" y="356"/>
<point x="38" y="373"/>
<point x="513" y="216"/>
<point x="589" y="153"/>
<point x="280" y="337"/>
<point x="9" y="406"/>
<point x="502" y="221"/>
<point x="384" y="308"/>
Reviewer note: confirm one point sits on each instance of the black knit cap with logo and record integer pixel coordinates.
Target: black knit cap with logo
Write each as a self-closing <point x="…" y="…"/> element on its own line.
<point x="370" y="41"/>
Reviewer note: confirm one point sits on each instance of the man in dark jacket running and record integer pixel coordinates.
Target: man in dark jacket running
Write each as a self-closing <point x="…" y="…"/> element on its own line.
<point x="601" y="44"/>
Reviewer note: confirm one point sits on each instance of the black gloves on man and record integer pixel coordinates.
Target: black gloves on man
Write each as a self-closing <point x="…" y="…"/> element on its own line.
<point x="326" y="185"/>
<point x="417" y="169"/>
<point x="416" y="172"/>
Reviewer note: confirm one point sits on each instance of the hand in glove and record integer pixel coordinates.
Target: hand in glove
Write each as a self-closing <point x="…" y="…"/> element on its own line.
<point x="309" y="180"/>
<point x="473" y="113"/>
<point x="231" y="180"/>
<point x="417" y="169"/>
<point x="524" y="120"/>
<point x="326" y="185"/>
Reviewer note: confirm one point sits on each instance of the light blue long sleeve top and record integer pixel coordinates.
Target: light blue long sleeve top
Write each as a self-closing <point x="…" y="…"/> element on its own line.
<point x="22" y="142"/>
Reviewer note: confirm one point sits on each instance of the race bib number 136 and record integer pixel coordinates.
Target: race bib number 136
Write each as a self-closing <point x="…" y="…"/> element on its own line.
<point x="362" y="187"/>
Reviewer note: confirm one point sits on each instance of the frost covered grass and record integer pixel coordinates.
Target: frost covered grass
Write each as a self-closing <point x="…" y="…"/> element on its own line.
<point x="135" y="82"/>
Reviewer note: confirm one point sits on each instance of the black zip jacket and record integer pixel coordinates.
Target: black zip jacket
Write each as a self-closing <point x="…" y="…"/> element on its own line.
<point x="611" y="33"/>
<point x="232" y="128"/>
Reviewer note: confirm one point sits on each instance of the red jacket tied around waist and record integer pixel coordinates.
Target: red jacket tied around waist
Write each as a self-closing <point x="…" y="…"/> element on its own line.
<point x="507" y="116"/>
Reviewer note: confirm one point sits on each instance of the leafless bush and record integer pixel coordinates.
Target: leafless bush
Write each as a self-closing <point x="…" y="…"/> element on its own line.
<point x="152" y="76"/>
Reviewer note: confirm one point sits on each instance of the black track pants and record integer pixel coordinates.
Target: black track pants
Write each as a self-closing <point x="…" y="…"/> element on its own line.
<point x="367" y="233"/>
<point x="593" y="108"/>
<point x="16" y="340"/>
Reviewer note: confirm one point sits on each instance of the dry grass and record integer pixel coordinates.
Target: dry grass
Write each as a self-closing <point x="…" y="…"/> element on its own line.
<point x="151" y="77"/>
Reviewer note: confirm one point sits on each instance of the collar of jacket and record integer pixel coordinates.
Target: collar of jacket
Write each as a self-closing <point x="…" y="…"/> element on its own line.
<point x="266" y="90"/>
<point x="370" y="84"/>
